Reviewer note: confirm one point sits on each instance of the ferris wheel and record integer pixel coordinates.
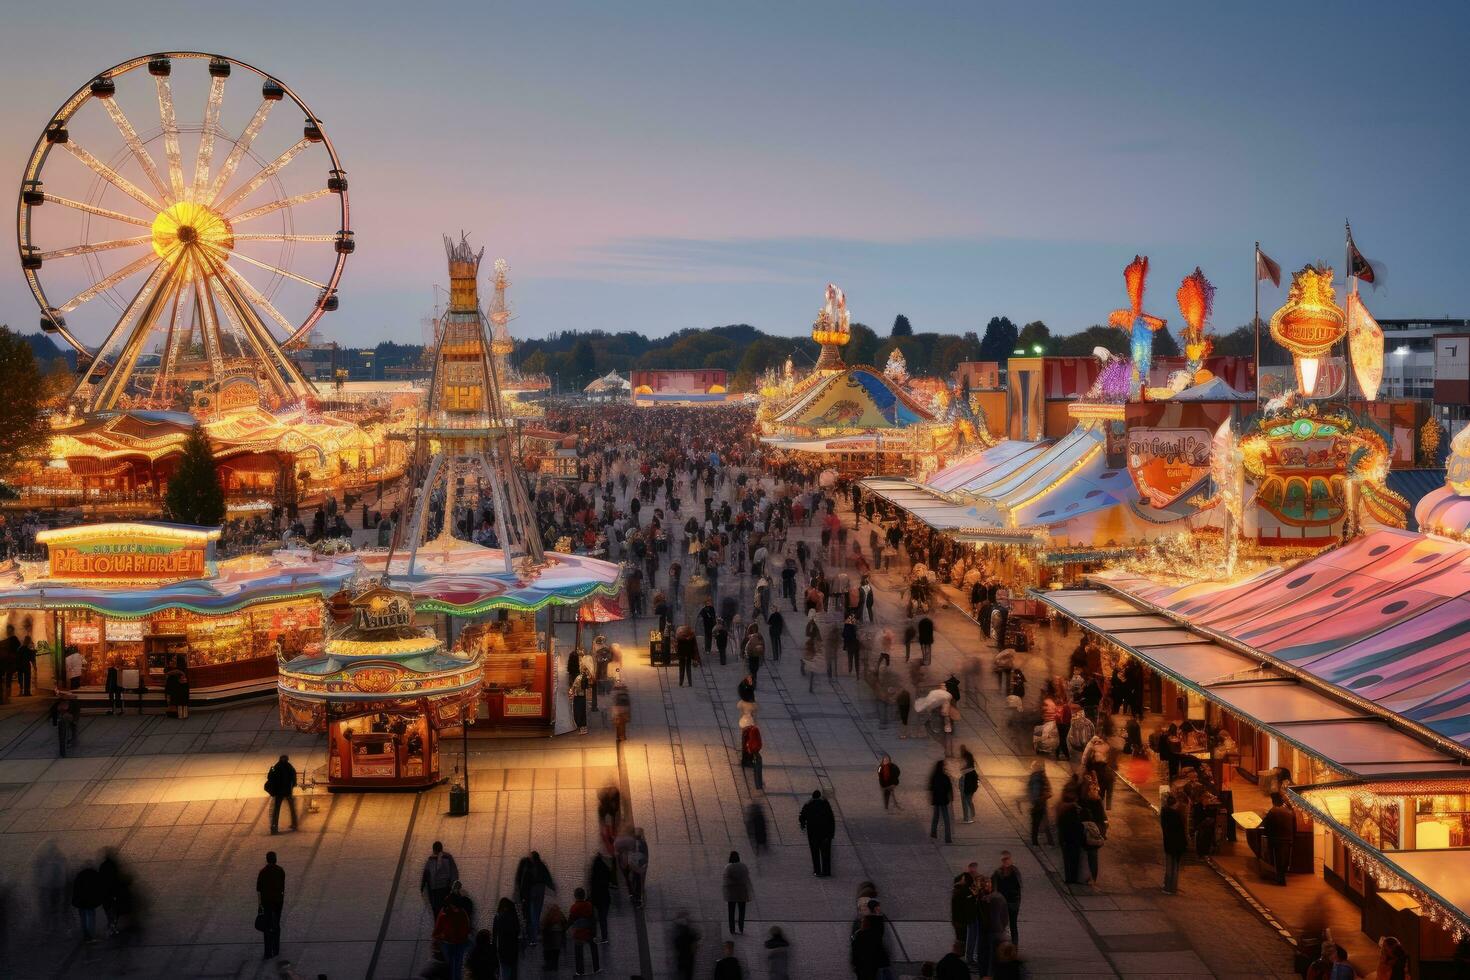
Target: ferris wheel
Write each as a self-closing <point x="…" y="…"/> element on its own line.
<point x="193" y="249"/>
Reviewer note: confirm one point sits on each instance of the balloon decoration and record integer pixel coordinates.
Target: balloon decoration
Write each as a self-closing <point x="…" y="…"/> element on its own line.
<point x="1309" y="323"/>
<point x="1196" y="302"/>
<point x="1365" y="343"/>
<point x="1141" y="326"/>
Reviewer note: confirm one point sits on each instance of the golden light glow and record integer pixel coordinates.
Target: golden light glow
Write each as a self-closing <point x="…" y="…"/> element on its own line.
<point x="1310" y="322"/>
<point x="187" y="223"/>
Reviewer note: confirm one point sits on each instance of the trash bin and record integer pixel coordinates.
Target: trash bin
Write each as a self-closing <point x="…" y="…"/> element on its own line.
<point x="459" y="800"/>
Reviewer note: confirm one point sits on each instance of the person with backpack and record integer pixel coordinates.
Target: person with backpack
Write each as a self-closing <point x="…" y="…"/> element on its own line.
<point x="280" y="784"/>
<point x="888" y="776"/>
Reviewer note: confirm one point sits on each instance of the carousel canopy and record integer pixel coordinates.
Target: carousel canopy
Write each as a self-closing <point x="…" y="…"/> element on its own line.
<point x="466" y="579"/>
<point x="857" y="398"/>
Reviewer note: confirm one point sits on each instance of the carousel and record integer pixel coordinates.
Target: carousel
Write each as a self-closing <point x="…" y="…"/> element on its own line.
<point x="859" y="420"/>
<point x="382" y="688"/>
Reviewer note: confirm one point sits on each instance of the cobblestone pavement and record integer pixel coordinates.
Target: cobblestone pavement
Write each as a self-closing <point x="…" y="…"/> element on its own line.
<point x="182" y="803"/>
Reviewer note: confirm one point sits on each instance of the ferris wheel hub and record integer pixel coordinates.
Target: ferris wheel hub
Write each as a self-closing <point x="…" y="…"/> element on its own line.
<point x="187" y="224"/>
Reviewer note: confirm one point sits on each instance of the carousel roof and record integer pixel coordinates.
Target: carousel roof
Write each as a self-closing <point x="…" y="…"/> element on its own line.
<point x="153" y="434"/>
<point x="465" y="579"/>
<point x="857" y="398"/>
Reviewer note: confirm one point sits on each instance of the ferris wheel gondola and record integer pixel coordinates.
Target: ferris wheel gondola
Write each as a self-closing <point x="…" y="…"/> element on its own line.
<point x="164" y="267"/>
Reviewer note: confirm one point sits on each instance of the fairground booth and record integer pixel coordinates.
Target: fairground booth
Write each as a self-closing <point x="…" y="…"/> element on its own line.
<point x="1342" y="679"/>
<point x="382" y="689"/>
<point x="146" y="597"/>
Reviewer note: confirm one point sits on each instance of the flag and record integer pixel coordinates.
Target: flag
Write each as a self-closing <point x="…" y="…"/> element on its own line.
<point x="1357" y="265"/>
<point x="1267" y="268"/>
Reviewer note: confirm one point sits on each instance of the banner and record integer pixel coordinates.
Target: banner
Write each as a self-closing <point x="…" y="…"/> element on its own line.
<point x="1164" y="463"/>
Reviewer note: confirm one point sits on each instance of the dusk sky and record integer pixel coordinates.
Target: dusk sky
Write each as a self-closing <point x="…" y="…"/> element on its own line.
<point x="654" y="167"/>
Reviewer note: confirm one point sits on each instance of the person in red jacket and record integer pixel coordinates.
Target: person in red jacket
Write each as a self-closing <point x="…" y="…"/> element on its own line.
<point x="583" y="931"/>
<point x="452" y="932"/>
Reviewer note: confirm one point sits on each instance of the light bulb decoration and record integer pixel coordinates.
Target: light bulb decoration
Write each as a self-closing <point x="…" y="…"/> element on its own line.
<point x="832" y="329"/>
<point x="1196" y="297"/>
<point x="1141" y="326"/>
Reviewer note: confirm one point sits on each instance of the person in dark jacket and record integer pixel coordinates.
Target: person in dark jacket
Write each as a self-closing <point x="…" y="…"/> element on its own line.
<point x="820" y="824"/>
<point x="533" y="880"/>
<point x="952" y="965"/>
<point x="727" y="967"/>
<point x="969" y="784"/>
<point x="941" y="794"/>
<point x="1176" y="841"/>
<point x="506" y="930"/>
<point x="707" y="618"/>
<point x="850" y="643"/>
<point x="270" y="888"/>
<point x="1279" y="833"/>
<point x="280" y="783"/>
<point x="925" y="631"/>
<point x="1007" y="882"/>
<point x="963" y="908"/>
<point x="869" y="950"/>
<point x="480" y="962"/>
<point x="686" y="648"/>
<point x="87" y="893"/>
<point x="599" y="893"/>
<point x="1072" y="837"/>
<point x="775" y="625"/>
<point x="745" y="690"/>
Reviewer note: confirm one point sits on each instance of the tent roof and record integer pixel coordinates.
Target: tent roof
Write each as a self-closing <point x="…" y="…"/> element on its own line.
<point x="857" y="398"/>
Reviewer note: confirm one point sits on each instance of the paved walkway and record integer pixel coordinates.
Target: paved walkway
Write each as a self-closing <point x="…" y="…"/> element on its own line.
<point x="182" y="803"/>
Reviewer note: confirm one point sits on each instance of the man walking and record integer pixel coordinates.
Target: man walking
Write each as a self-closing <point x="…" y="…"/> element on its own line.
<point x="941" y="794"/>
<point x="776" y="623"/>
<point x="280" y="783"/>
<point x="820" y="824"/>
<point x="686" y="648"/>
<point x="1007" y="882"/>
<point x="270" y="886"/>
<point x="707" y="617"/>
<point x="440" y="874"/>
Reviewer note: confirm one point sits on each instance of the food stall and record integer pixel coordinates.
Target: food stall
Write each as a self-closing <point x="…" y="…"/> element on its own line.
<point x="382" y="688"/>
<point x="485" y="611"/>
<point x="139" y="596"/>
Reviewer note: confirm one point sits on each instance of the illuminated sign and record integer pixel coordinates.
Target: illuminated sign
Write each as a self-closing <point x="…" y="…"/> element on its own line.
<point x="129" y="552"/>
<point x="1457" y="466"/>
<point x="124" y="630"/>
<point x="1165" y="463"/>
<point x="83" y="634"/>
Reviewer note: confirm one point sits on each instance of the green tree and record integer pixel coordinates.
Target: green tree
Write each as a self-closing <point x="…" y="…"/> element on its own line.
<point x="1164" y="344"/>
<point x="1240" y="341"/>
<point x="584" y="363"/>
<point x="901" y="327"/>
<point x="22" y="433"/>
<point x="1032" y="335"/>
<point x="999" y="342"/>
<point x="1081" y="344"/>
<point x="194" y="493"/>
<point x="862" y="345"/>
<point x="535" y="364"/>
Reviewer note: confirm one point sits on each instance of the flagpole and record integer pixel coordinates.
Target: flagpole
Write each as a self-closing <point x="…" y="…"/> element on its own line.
<point x="1256" y="323"/>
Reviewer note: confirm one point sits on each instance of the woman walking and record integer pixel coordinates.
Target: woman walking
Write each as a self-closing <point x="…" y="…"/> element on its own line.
<point x="738" y="892"/>
<point x="969" y="784"/>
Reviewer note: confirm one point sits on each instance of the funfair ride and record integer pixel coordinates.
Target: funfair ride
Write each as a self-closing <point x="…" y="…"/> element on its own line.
<point x="167" y="278"/>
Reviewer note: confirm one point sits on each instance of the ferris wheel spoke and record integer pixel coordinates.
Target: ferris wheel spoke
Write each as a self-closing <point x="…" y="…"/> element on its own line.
<point x="205" y="155"/>
<point x="140" y="152"/>
<point x="285" y="202"/>
<point x="170" y="136"/>
<point x="265" y="174"/>
<point x="122" y="327"/>
<point x="242" y="146"/>
<point x="265" y="265"/>
<point x="255" y="296"/>
<point x="100" y="212"/>
<point x="111" y="176"/>
<point x="177" y="337"/>
<point x="115" y="382"/>
<point x="102" y="285"/>
<point x="284" y="237"/>
<point x="90" y="247"/>
<point x="247" y="325"/>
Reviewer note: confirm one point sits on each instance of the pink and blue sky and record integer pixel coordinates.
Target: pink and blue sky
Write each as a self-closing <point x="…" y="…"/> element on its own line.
<point x="660" y="166"/>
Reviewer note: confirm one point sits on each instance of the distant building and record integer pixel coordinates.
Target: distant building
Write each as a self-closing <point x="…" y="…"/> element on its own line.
<point x="701" y="386"/>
